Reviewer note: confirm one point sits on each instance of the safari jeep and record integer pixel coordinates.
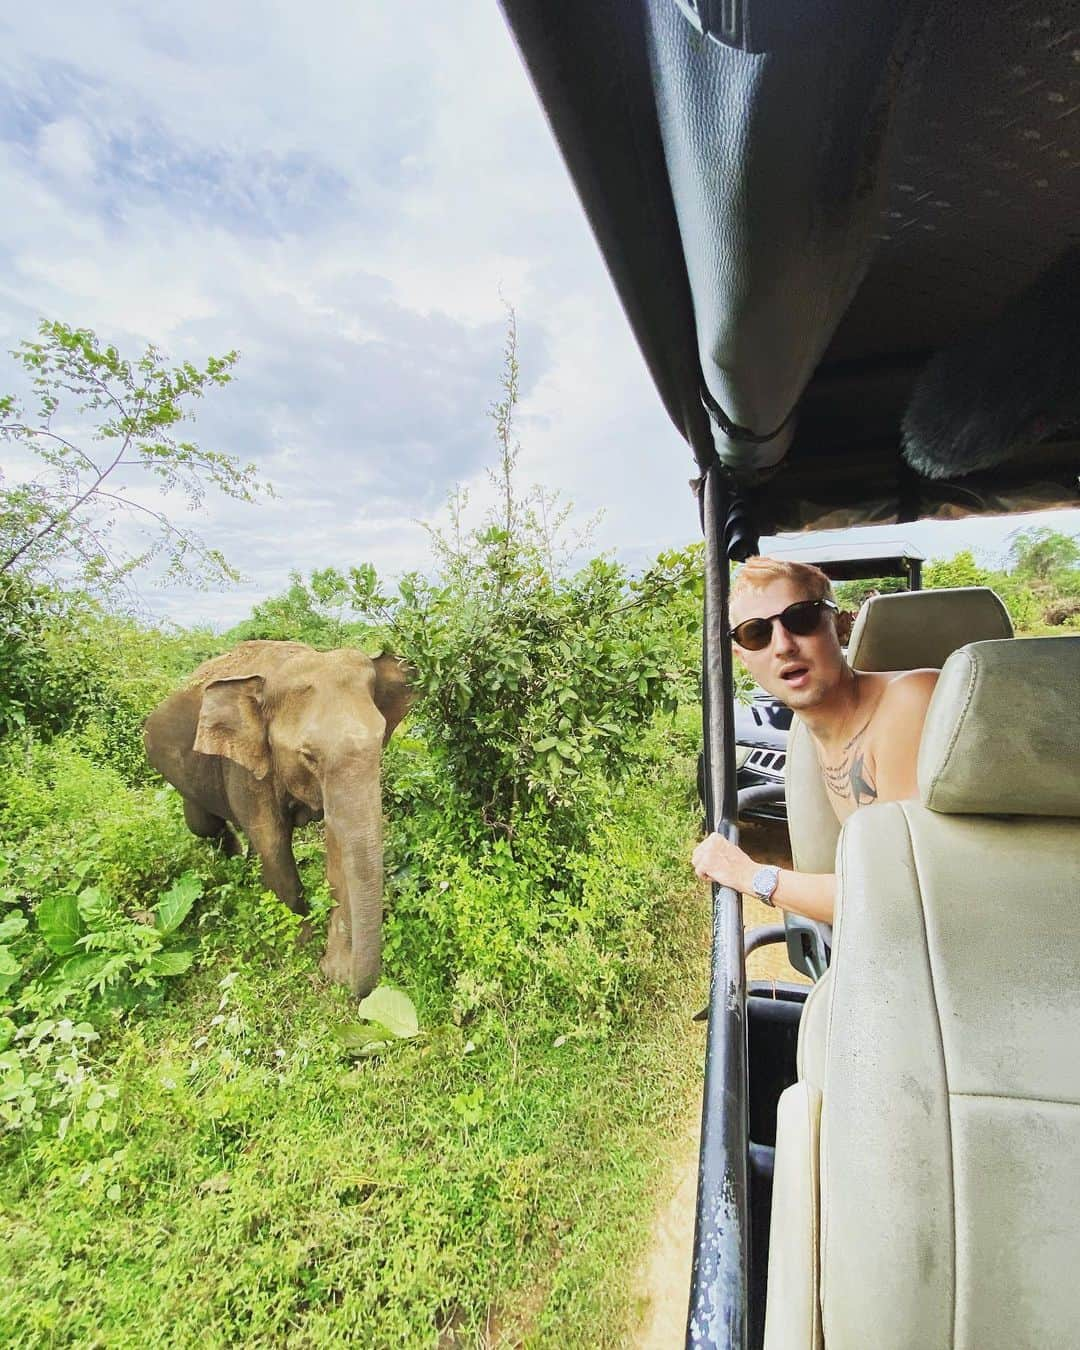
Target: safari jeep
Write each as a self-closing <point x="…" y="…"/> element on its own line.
<point x="844" y="233"/>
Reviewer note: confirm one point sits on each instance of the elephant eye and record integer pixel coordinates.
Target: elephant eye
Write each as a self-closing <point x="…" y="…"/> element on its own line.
<point x="309" y="757"/>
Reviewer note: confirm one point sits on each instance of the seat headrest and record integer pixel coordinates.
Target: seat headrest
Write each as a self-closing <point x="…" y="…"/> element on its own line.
<point x="1002" y="733"/>
<point x="913" y="629"/>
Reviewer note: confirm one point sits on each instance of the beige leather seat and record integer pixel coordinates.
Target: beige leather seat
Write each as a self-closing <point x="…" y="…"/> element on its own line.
<point x="927" y="1184"/>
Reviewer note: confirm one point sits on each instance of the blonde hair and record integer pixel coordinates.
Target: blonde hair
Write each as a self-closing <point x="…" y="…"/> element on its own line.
<point x="758" y="572"/>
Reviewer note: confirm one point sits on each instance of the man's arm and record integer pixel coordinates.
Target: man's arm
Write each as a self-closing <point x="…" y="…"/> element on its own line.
<point x="812" y="894"/>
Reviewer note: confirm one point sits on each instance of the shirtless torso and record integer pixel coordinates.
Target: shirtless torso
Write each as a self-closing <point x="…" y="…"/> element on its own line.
<point x="878" y="759"/>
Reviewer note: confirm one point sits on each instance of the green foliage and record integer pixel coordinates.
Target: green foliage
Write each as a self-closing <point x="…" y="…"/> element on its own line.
<point x="102" y="426"/>
<point x="1041" y="556"/>
<point x="537" y="684"/>
<point x="527" y="921"/>
<point x="41" y="683"/>
<point x="258" y="1189"/>
<point x="389" y="1016"/>
<point x="68" y="664"/>
<point x="851" y="595"/>
<point x="93" y="896"/>
<point x="534" y="685"/>
<point x="46" y="1070"/>
<point x="960" y="570"/>
<point x="321" y="612"/>
<point x="217" y="1131"/>
<point x="963" y="570"/>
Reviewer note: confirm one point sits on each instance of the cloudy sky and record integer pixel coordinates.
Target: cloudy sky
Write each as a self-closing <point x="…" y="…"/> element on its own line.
<point x="344" y="192"/>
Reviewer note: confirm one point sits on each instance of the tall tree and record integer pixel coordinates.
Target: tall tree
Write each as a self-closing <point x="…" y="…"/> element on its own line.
<point x="1040" y="555"/>
<point x="104" y="430"/>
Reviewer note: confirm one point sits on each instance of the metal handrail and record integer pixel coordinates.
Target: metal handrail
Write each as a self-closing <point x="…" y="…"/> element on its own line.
<point x="761" y="795"/>
<point x="765" y="935"/>
<point x="718" y="1312"/>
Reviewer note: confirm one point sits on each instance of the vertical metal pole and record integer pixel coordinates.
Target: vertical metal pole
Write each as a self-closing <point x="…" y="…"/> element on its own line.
<point x="718" y="1314"/>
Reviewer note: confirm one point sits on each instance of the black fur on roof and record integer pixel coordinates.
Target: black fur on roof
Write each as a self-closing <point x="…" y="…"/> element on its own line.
<point x="1012" y="385"/>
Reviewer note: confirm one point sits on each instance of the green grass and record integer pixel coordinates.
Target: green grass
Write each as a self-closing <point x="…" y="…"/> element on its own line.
<point x="488" y="1184"/>
<point x="264" y="1191"/>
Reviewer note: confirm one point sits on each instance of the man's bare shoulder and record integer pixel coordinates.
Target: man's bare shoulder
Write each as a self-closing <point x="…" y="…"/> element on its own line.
<point x="897" y="726"/>
<point x="909" y="691"/>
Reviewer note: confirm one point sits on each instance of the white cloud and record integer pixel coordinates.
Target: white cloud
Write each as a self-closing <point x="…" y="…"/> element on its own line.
<point x="65" y="148"/>
<point x="341" y="193"/>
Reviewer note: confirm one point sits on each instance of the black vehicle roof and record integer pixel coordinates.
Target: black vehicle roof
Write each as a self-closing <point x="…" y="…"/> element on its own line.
<point x="854" y="562"/>
<point x="798" y="222"/>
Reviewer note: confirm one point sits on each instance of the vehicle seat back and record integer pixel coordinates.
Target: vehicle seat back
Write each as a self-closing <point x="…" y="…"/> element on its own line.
<point x="947" y="1125"/>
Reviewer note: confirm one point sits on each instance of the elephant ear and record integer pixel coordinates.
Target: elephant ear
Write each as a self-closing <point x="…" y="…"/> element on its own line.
<point x="394" y="692"/>
<point x="231" y="723"/>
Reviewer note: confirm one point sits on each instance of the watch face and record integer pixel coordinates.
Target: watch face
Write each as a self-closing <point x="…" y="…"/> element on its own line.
<point x="765" y="880"/>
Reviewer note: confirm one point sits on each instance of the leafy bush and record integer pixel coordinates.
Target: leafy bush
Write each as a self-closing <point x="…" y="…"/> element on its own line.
<point x="316" y="612"/>
<point x="537" y="682"/>
<point x="36" y="685"/>
<point x="69" y="665"/>
<point x="851" y="595"/>
<point x="962" y="570"/>
<point x="96" y="882"/>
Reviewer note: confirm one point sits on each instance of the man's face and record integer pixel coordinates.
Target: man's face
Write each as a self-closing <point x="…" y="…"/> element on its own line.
<point x="800" y="671"/>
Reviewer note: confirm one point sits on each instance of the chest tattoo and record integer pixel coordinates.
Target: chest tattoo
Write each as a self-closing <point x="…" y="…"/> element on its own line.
<point x="849" y="778"/>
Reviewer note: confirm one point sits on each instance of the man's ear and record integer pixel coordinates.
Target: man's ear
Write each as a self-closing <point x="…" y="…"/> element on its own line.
<point x="231" y="723"/>
<point x="394" y="692"/>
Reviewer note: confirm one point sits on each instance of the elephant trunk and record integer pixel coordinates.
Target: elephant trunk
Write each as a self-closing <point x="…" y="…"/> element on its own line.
<point x="354" y="858"/>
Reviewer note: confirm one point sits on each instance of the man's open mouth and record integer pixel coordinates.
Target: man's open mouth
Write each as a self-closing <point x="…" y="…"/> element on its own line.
<point x="793" y="674"/>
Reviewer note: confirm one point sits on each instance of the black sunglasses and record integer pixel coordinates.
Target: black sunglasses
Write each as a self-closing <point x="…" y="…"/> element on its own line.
<point x="802" y="618"/>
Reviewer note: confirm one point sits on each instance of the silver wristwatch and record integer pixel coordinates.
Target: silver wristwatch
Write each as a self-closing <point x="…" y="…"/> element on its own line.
<point x="765" y="883"/>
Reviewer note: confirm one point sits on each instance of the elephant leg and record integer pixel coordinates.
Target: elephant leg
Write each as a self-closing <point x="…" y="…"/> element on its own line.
<point x="272" y="841"/>
<point x="208" y="826"/>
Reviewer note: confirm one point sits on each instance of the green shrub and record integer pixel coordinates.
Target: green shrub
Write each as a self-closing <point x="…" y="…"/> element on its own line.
<point x="491" y="921"/>
<point x="96" y="882"/>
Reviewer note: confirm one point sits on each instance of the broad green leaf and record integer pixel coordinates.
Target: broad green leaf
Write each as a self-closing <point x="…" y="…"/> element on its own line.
<point x="97" y="909"/>
<point x="171" y="963"/>
<point x="59" y="923"/>
<point x="393" y="1009"/>
<point x="175" y="905"/>
<point x="9" y="970"/>
<point x="84" y="969"/>
<point x="12" y="926"/>
<point x="545" y="744"/>
<point x="373" y="1048"/>
<point x="356" y="1036"/>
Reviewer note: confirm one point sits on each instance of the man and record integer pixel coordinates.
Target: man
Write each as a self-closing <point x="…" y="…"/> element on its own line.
<point x="865" y="726"/>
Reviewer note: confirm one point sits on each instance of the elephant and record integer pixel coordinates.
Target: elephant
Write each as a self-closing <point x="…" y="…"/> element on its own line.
<point x="273" y="735"/>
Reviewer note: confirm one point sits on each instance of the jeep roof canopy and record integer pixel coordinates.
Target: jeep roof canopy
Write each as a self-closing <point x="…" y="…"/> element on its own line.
<point x="800" y="211"/>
